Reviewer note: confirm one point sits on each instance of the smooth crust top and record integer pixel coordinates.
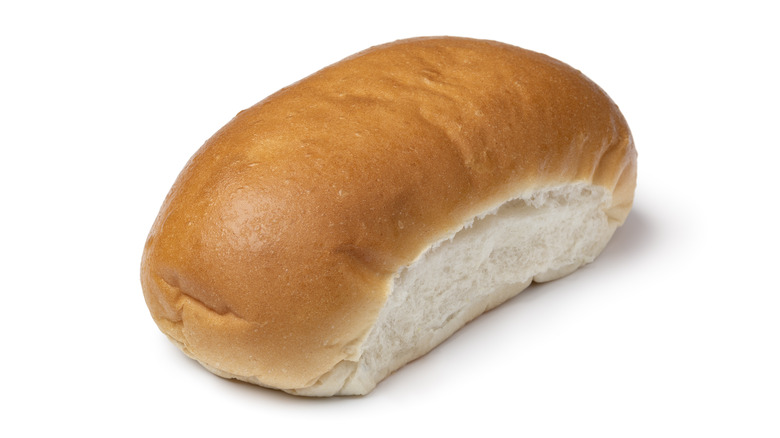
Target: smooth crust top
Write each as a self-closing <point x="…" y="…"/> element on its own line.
<point x="274" y="250"/>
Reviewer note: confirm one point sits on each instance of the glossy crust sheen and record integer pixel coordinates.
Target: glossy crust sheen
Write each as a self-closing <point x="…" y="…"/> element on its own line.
<point x="275" y="249"/>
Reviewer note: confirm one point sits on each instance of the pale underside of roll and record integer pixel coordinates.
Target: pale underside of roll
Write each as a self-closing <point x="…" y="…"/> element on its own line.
<point x="351" y="222"/>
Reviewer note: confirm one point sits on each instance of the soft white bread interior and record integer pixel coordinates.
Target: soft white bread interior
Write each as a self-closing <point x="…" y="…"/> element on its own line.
<point x="538" y="237"/>
<point x="353" y="221"/>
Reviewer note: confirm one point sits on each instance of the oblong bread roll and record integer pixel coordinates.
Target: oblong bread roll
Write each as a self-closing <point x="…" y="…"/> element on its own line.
<point x="352" y="221"/>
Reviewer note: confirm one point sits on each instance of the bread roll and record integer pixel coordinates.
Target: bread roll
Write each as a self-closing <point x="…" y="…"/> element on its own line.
<point x="350" y="222"/>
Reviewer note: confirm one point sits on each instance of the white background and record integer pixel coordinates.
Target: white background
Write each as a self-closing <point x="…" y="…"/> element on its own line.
<point x="674" y="331"/>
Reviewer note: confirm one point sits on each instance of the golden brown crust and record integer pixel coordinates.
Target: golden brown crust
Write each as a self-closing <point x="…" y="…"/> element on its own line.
<point x="274" y="250"/>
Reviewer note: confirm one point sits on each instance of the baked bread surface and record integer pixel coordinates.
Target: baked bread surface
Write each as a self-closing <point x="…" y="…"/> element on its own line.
<point x="277" y="246"/>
